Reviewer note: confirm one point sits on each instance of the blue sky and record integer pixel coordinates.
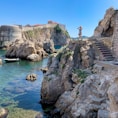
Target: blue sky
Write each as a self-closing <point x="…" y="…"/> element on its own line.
<point x="72" y="13"/>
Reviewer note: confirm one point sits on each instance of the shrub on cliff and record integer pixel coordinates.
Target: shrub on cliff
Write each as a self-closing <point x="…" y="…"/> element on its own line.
<point x="57" y="29"/>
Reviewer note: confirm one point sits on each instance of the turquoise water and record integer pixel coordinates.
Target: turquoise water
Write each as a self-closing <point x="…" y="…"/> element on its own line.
<point x="15" y="91"/>
<point x="57" y="46"/>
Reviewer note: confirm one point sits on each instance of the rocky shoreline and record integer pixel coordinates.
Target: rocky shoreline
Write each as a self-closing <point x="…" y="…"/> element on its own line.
<point x="81" y="81"/>
<point x="33" y="42"/>
<point x="30" y="50"/>
<point x="66" y="72"/>
<point x="78" y="87"/>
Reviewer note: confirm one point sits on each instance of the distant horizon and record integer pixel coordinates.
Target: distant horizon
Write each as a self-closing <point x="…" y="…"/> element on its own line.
<point x="71" y="13"/>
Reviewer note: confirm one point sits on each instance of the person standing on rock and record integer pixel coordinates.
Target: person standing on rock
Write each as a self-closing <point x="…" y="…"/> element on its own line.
<point x="80" y="32"/>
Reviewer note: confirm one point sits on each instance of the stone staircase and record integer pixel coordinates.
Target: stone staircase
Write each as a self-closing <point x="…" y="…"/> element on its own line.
<point x="104" y="51"/>
<point x="115" y="37"/>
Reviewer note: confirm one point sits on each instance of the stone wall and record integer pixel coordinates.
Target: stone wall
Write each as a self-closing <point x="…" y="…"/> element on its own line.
<point x="43" y="26"/>
<point x="8" y="33"/>
<point x="43" y="32"/>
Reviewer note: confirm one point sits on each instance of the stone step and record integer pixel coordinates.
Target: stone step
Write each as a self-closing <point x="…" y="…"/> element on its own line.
<point x="103" y="48"/>
<point x="107" y="55"/>
<point x="98" y="44"/>
<point x="104" y="51"/>
<point x="109" y="58"/>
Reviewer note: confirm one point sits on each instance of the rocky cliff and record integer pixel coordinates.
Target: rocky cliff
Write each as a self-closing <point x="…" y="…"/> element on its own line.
<point x="106" y="25"/>
<point x="32" y="50"/>
<point x="67" y="71"/>
<point x="37" y="42"/>
<point x="77" y="86"/>
<point x="107" y="31"/>
<point x="54" y="32"/>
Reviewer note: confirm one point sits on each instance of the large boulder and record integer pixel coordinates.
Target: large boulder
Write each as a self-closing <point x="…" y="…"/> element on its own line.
<point x="3" y="113"/>
<point x="60" y="70"/>
<point x="26" y="50"/>
<point x="31" y="77"/>
<point x="34" y="57"/>
<point x="51" y="89"/>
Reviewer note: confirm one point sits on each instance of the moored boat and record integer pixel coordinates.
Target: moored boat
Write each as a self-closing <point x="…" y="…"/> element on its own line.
<point x="11" y="59"/>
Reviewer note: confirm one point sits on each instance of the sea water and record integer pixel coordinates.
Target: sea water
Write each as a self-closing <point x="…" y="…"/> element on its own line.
<point x="15" y="90"/>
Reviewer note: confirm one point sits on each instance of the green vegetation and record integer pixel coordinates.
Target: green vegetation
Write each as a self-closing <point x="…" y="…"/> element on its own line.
<point x="49" y="79"/>
<point x="81" y="74"/>
<point x="60" y="52"/>
<point x="63" y="65"/>
<point x="21" y="113"/>
<point x="67" y="34"/>
<point x="57" y="29"/>
<point x="30" y="33"/>
<point x="48" y="109"/>
<point x="55" y="72"/>
<point x="69" y="53"/>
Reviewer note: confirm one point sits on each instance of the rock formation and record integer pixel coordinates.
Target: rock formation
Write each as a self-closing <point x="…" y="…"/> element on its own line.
<point x="3" y="113"/>
<point x="36" y="42"/>
<point x="79" y="86"/>
<point x="0" y="61"/>
<point x="64" y="74"/>
<point x="53" y="31"/>
<point x="107" y="31"/>
<point x="26" y="50"/>
<point x="106" y="26"/>
<point x="31" y="77"/>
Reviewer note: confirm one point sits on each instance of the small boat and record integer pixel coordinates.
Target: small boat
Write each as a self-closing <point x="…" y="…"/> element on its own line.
<point x="11" y="59"/>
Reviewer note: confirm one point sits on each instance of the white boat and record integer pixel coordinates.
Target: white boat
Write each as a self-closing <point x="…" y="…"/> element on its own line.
<point x="11" y="59"/>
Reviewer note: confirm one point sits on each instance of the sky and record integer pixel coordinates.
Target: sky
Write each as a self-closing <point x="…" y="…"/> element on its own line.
<point x="71" y="13"/>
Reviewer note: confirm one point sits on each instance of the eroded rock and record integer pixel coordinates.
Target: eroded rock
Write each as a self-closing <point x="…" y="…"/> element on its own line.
<point x="0" y="61"/>
<point x="34" y="57"/>
<point x="3" y="112"/>
<point x="31" y="77"/>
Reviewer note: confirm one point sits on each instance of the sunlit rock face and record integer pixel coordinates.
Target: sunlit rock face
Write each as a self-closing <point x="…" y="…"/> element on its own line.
<point x="107" y="31"/>
<point x="25" y="42"/>
<point x="78" y="87"/>
<point x="106" y="26"/>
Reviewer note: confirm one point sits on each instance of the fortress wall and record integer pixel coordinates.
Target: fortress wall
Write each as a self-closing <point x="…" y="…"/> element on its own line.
<point x="13" y="32"/>
<point x="9" y="32"/>
<point x="43" y="26"/>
